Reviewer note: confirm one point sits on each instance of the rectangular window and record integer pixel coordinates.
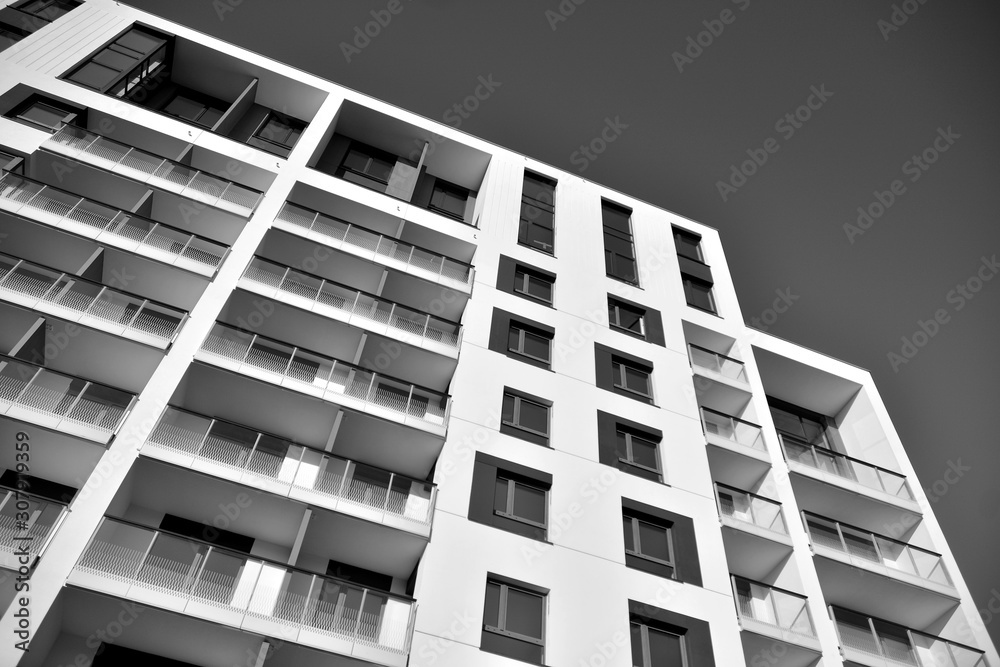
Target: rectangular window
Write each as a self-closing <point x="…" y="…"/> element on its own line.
<point x="626" y="317"/>
<point x="44" y="113"/>
<point x="367" y="166"/>
<point x="619" y="250"/>
<point x="638" y="451"/>
<point x="514" y="622"/>
<point x="537" y="221"/>
<point x="449" y="199"/>
<point x="525" y="414"/>
<point x="649" y="539"/>
<point x="520" y="501"/>
<point x="529" y="343"/>
<point x="653" y="647"/>
<point x="688" y="245"/>
<point x="509" y="496"/>
<point x="696" y="276"/>
<point x="197" y="109"/>
<point x="49" y="10"/>
<point x="799" y="423"/>
<point x="698" y="293"/>
<point x="278" y="133"/>
<point x="129" y="61"/>
<point x="533" y="285"/>
<point x="631" y="378"/>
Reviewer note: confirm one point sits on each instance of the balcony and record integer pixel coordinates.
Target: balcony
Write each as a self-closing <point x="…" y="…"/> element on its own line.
<point x="720" y="382"/>
<point x="373" y="246"/>
<point x="327" y="378"/>
<point x="75" y="299"/>
<point x="876" y="643"/>
<point x="706" y="361"/>
<point x="110" y="226"/>
<point x="99" y="151"/>
<point x="845" y="472"/>
<point x="62" y="402"/>
<point x="31" y="534"/>
<point x="753" y="531"/>
<point x="353" y="307"/>
<point x="273" y="464"/>
<point x="771" y="614"/>
<point x="256" y="595"/>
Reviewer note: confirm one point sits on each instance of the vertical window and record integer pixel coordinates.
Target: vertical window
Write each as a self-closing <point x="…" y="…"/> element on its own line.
<point x="800" y="423"/>
<point x="619" y="250"/>
<point x="649" y="539"/>
<point x="696" y="276"/>
<point x="533" y="284"/>
<point x="529" y="343"/>
<point x="537" y="222"/>
<point x="448" y="199"/>
<point x="698" y="293"/>
<point x="519" y="500"/>
<point x="638" y="453"/>
<point x="525" y="416"/>
<point x="514" y="622"/>
<point x="626" y="317"/>
<point x="653" y="647"/>
<point x="631" y="378"/>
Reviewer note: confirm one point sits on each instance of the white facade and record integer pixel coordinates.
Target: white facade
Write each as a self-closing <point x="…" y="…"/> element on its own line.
<point x="135" y="473"/>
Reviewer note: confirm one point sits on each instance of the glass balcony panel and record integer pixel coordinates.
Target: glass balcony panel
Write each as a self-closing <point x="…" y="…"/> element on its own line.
<point x="755" y="602"/>
<point x="219" y="578"/>
<point x="240" y="196"/>
<point x="179" y="430"/>
<point x="301" y="284"/>
<point x="424" y="405"/>
<point x="704" y="359"/>
<point x="177" y="174"/>
<point x="792" y="613"/>
<point x="158" y="321"/>
<point x="280" y="593"/>
<point x="896" y="555"/>
<point x="131" y="227"/>
<point x="203" y="251"/>
<point x="895" y="485"/>
<point x="172" y="563"/>
<point x="76" y="295"/>
<point x="735" y="505"/>
<point x="264" y="272"/>
<point x="310" y="369"/>
<point x="930" y="566"/>
<point x="824" y="533"/>
<point x="296" y="215"/>
<point x="42" y="515"/>
<point x="30" y="280"/>
<point x="373" y="309"/>
<point x="167" y="239"/>
<point x="73" y="137"/>
<point x="269" y="355"/>
<point x="116" y="308"/>
<point x="228" y="343"/>
<point x="100" y="406"/>
<point x="856" y="633"/>
<point x="860" y="545"/>
<point x="337" y="297"/>
<point x="228" y="444"/>
<point x="359" y="383"/>
<point x="52" y="393"/>
<point x="370" y="616"/>
<point x="54" y="203"/>
<point x="368" y="486"/>
<point x="328" y="474"/>
<point x="268" y="457"/>
<point x="341" y="231"/>
<point x="141" y="161"/>
<point x="207" y="185"/>
<point x="894" y="641"/>
<point x="768" y="515"/>
<point x="117" y="550"/>
<point x="418" y="501"/>
<point x="92" y="214"/>
<point x="7" y="265"/>
<point x="420" y="258"/>
<point x="16" y="191"/>
<point x="106" y="149"/>
<point x="14" y="378"/>
<point x="398" y="496"/>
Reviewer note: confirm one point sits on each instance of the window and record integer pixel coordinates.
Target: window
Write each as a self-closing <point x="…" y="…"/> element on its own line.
<point x="629" y="446"/>
<point x="648" y="539"/>
<point x="804" y="425"/>
<point x="132" y="60"/>
<point x="198" y="109"/>
<point x="449" y="199"/>
<point x="626" y="317"/>
<point x="698" y="293"/>
<point x="277" y="134"/>
<point x="11" y="162"/>
<point x="514" y="621"/>
<point x="653" y="647"/>
<point x="637" y="450"/>
<point x="522" y="340"/>
<point x="696" y="276"/>
<point x="45" y="113"/>
<point x="367" y="166"/>
<point x="525" y="281"/>
<point x="631" y="379"/>
<point x="619" y="251"/>
<point x="536" y="226"/>
<point x="509" y="496"/>
<point x="624" y="374"/>
<point x="525" y="416"/>
<point x="49" y="10"/>
<point x="688" y="245"/>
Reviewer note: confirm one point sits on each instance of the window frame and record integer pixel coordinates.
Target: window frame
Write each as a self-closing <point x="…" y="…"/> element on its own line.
<point x="636" y="518"/>
<point x="508" y="513"/>
<point x="689" y="281"/>
<point x="505" y="586"/>
<point x="526" y="223"/>
<point x="125" y="79"/>
<point x="294" y="124"/>
<point x="19" y="6"/>
<point x="629" y="450"/>
<point x="618" y="367"/>
<point x="523" y="329"/>
<point x="680" y="233"/>
<point x="611" y="268"/>
<point x="514" y="427"/>
<point x="617" y="305"/>
<point x="445" y="186"/>
<point x="644" y="629"/>
<point x="526" y="276"/>
<point x="372" y="153"/>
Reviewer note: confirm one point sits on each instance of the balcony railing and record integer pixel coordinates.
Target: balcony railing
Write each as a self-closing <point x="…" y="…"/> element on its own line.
<point x="331" y="379"/>
<point x="105" y="224"/>
<point x="100" y="151"/>
<point x="893" y="555"/>
<point x="732" y="428"/>
<point x="297" y="471"/>
<point x="363" y="242"/>
<point x="60" y="401"/>
<point x="229" y="587"/>
<point x="85" y="302"/>
<point x="352" y="306"/>
<point x="26" y="522"/>
<point x="706" y="359"/>
<point x="841" y="465"/>
<point x="750" y="508"/>
<point x="774" y="611"/>
<point x="871" y="641"/>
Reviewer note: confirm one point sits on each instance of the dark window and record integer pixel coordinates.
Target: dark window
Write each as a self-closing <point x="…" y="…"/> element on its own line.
<point x="509" y="496"/>
<point x="801" y="424"/>
<point x="44" y="113"/>
<point x="367" y="166"/>
<point x="626" y="317"/>
<point x="49" y="10"/>
<point x="521" y="339"/>
<point x="277" y="133"/>
<point x="534" y="285"/>
<point x="696" y="276"/>
<point x="11" y="162"/>
<point x="200" y="531"/>
<point x="198" y="109"/>
<point x="125" y="64"/>
<point x="524" y="341"/>
<point x="649" y="539"/>
<point x="624" y="374"/>
<point x="619" y="250"/>
<point x="525" y="416"/>
<point x="632" y="379"/>
<point x="11" y="35"/>
<point x="449" y="199"/>
<point x="653" y="647"/>
<point x="514" y="622"/>
<point x="359" y="575"/>
<point x="536" y="226"/>
<point x="637" y="450"/>
<point x="688" y="245"/>
<point x="698" y="293"/>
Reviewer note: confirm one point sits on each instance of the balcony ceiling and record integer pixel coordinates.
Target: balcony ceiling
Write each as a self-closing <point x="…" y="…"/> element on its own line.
<point x="803" y="385"/>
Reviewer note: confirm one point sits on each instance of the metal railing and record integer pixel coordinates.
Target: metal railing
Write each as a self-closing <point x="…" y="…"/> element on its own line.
<point x="217" y="581"/>
<point x="865" y="545"/>
<point x="328" y="479"/>
<point x="750" y="508"/>
<point x="87" y="302"/>
<point x="899" y="645"/>
<point x="59" y="400"/>
<point x="386" y="250"/>
<point x="100" y="151"/>
<point x="782" y="611"/>
<point x="732" y="428"/>
<point x="325" y="377"/>
<point x="27" y="521"/>
<point x="345" y="303"/>
<point x="728" y="367"/>
<point x="841" y="465"/>
<point x="110" y="225"/>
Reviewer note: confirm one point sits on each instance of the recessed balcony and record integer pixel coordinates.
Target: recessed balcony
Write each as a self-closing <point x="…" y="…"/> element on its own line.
<point x="356" y="308"/>
<point x="65" y="403"/>
<point x="108" y="225"/>
<point x="27" y="522"/>
<point x="88" y="303"/>
<point x="274" y="464"/>
<point x="720" y="382"/>
<point x="323" y="377"/>
<point x="754" y="531"/>
<point x="872" y="642"/>
<point x="104" y="153"/>
<point x="772" y="616"/>
<point x="888" y="577"/>
<point x="253" y="594"/>
<point x="733" y="433"/>
<point x="371" y="245"/>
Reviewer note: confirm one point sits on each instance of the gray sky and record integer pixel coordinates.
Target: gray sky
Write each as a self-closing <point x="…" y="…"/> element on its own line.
<point x="891" y="89"/>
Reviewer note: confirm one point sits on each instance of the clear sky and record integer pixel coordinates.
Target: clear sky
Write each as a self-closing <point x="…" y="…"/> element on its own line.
<point x="900" y="125"/>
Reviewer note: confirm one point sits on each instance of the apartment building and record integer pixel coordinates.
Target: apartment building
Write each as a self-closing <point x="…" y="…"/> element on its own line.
<point x="293" y="377"/>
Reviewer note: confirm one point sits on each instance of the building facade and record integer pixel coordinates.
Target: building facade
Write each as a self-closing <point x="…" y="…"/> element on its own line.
<point x="293" y="377"/>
